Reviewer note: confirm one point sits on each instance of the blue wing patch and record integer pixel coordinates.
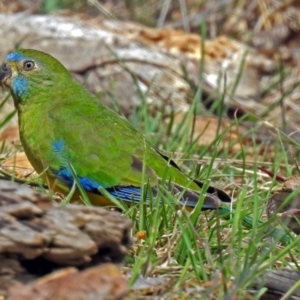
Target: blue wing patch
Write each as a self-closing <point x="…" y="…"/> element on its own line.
<point x="125" y="193"/>
<point x="58" y="146"/>
<point x="133" y="194"/>
<point x="64" y="174"/>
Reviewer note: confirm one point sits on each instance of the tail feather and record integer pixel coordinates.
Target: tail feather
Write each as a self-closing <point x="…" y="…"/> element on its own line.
<point x="188" y="198"/>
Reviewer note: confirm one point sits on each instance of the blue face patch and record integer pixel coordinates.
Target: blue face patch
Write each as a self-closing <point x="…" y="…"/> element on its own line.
<point x="20" y="85"/>
<point x="14" y="56"/>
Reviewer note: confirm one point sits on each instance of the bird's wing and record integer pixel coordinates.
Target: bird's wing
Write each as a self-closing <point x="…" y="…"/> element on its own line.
<point x="101" y="146"/>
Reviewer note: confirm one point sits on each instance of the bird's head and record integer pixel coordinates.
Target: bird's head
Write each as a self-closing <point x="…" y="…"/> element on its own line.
<point x="27" y="71"/>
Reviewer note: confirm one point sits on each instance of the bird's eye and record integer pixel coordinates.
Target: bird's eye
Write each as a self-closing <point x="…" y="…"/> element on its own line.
<point x="5" y="67"/>
<point x="28" y="65"/>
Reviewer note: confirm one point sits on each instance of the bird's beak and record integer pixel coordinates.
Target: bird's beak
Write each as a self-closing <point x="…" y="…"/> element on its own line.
<point x="5" y="73"/>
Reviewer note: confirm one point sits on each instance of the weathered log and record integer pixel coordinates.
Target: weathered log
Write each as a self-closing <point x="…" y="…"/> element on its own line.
<point x="278" y="284"/>
<point x="288" y="211"/>
<point x="38" y="235"/>
<point x="102" y="283"/>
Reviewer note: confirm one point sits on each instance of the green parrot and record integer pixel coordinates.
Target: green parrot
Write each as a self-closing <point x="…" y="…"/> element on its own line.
<point x="66" y="132"/>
